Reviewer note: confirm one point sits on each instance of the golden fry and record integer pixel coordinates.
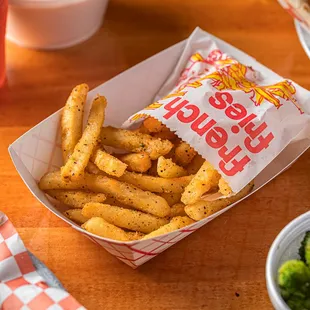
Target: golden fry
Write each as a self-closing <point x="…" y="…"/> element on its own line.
<point x="100" y="227"/>
<point x="177" y="210"/>
<point x="72" y="120"/>
<point x="124" y="218"/>
<point x="154" y="125"/>
<point x="205" y="179"/>
<point x="166" y="168"/>
<point x="184" y="154"/>
<point x="165" y="135"/>
<point x="108" y="163"/>
<point x="74" y="167"/>
<point x="138" y="162"/>
<point x="123" y="192"/>
<point x="76" y="199"/>
<point x="195" y="164"/>
<point x="92" y="168"/>
<point x="156" y="184"/>
<point x="175" y="224"/>
<point x="171" y="198"/>
<point x="224" y="188"/>
<point x="135" y="142"/>
<point x="75" y="215"/>
<point x="203" y="209"/>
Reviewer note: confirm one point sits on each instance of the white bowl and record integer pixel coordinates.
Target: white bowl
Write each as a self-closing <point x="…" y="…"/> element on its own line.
<point x="53" y="24"/>
<point x="284" y="247"/>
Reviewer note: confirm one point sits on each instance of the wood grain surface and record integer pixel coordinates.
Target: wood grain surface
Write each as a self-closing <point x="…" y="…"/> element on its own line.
<point x="221" y="266"/>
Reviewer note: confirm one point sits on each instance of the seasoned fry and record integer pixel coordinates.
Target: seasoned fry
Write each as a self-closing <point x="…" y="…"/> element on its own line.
<point x="76" y="199"/>
<point x="138" y="162"/>
<point x="224" y="188"/>
<point x="114" y="202"/>
<point x="166" y="168"/>
<point x="92" y="168"/>
<point x="177" y="210"/>
<point x="195" y="164"/>
<point x="154" y="125"/>
<point x="156" y="184"/>
<point x="171" y="198"/>
<point x="203" y="209"/>
<point x="135" y="142"/>
<point x="205" y="179"/>
<point x="72" y="120"/>
<point x="108" y="163"/>
<point x="184" y="154"/>
<point x="76" y="216"/>
<point x="175" y="223"/>
<point x="124" y="218"/>
<point x="123" y="192"/>
<point x="100" y="227"/>
<point x="141" y="129"/>
<point x="74" y="167"/>
<point x="165" y="135"/>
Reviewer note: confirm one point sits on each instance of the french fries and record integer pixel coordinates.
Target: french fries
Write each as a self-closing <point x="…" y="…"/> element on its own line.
<point x="78" y="160"/>
<point x="205" y="179"/>
<point x="154" y="189"/>
<point x="124" y="218"/>
<point x="156" y="184"/>
<point x="108" y="163"/>
<point x="123" y="192"/>
<point x="171" y="198"/>
<point x="175" y="223"/>
<point x="166" y="168"/>
<point x="76" y="216"/>
<point x="184" y="154"/>
<point x="100" y="227"/>
<point x="135" y="142"/>
<point x="224" y="188"/>
<point x="76" y="199"/>
<point x="203" y="209"/>
<point x="72" y="120"/>
<point x="137" y="162"/>
<point x="177" y="210"/>
<point x="195" y="164"/>
<point x="154" y="125"/>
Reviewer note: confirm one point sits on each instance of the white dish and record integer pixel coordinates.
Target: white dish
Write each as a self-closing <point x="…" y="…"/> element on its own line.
<point x="53" y="24"/>
<point x="304" y="37"/>
<point x="284" y="248"/>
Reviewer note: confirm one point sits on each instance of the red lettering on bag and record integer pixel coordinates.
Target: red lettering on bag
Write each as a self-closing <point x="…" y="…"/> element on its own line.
<point x="188" y="119"/>
<point x="216" y="137"/>
<point x="201" y="131"/>
<point x="262" y="144"/>
<point x="236" y="111"/>
<point x="173" y="108"/>
<point x="221" y="99"/>
<point x="237" y="166"/>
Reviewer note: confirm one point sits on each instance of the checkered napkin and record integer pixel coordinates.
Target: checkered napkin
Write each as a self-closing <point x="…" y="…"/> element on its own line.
<point x="21" y="287"/>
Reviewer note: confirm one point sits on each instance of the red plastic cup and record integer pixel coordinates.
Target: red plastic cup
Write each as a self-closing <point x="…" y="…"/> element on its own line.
<point x="3" y="15"/>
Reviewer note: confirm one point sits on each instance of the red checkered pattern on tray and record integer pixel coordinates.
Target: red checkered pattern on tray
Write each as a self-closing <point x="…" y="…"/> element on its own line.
<point x="21" y="287"/>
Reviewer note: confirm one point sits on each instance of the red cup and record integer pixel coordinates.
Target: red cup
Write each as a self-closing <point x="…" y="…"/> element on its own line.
<point x="3" y="15"/>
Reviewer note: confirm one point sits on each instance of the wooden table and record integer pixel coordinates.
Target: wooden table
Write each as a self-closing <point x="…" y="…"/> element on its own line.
<point x="221" y="266"/>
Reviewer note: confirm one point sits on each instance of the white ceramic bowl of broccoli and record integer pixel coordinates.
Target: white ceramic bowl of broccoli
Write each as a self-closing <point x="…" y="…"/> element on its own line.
<point x="285" y="248"/>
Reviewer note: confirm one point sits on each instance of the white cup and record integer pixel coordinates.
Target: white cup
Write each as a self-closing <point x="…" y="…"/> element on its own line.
<point x="53" y="24"/>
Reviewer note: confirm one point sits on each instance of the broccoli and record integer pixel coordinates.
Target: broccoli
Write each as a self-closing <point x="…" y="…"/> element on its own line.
<point x="294" y="282"/>
<point x="304" y="250"/>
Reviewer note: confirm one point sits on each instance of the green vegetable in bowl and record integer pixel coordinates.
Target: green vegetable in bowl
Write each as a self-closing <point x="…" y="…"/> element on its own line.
<point x="304" y="250"/>
<point x="294" y="278"/>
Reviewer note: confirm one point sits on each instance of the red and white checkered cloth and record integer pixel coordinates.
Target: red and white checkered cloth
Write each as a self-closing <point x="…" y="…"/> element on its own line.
<point x="21" y="287"/>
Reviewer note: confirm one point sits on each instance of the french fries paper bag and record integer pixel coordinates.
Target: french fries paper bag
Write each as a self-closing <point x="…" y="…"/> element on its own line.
<point x="38" y="150"/>
<point x="239" y="117"/>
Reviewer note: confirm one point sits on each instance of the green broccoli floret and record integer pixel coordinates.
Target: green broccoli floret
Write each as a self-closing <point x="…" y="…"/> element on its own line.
<point x="294" y="282"/>
<point x="304" y="250"/>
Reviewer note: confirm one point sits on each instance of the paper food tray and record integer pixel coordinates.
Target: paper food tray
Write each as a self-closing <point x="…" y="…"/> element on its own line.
<point x="39" y="150"/>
